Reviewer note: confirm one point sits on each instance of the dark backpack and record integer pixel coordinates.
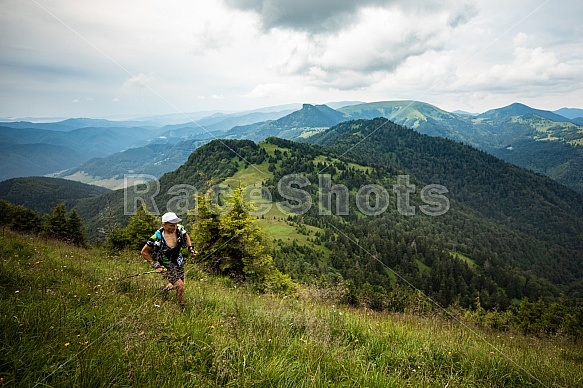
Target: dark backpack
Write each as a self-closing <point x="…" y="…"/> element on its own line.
<point x="162" y="249"/>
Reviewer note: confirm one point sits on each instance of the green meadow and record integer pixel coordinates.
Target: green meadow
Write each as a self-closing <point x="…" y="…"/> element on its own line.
<point x="74" y="317"/>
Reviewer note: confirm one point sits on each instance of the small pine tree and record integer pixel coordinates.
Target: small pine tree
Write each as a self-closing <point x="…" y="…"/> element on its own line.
<point x="55" y="224"/>
<point x="141" y="226"/>
<point x="232" y="244"/>
<point x="243" y="250"/>
<point x="25" y="220"/>
<point x="205" y="234"/>
<point x="74" y="229"/>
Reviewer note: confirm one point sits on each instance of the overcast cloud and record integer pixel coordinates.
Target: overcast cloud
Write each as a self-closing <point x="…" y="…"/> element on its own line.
<point x="129" y="58"/>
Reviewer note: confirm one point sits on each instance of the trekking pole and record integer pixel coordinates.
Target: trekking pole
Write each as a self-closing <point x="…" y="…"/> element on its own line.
<point x="137" y="274"/>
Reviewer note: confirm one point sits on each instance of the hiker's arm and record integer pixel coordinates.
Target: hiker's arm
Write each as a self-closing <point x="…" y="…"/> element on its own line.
<point x="147" y="254"/>
<point x="189" y="245"/>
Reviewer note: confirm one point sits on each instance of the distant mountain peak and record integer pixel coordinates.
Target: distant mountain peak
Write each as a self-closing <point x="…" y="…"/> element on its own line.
<point x="519" y="109"/>
<point x="312" y="116"/>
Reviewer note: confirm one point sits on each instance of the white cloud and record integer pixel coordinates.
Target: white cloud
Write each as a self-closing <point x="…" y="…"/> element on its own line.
<point x="379" y="41"/>
<point x="530" y="67"/>
<point x="383" y="40"/>
<point x="521" y="39"/>
<point x="140" y="81"/>
<point x="267" y="90"/>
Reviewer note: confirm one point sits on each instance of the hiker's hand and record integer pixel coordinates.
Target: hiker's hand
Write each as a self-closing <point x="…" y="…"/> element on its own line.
<point x="160" y="269"/>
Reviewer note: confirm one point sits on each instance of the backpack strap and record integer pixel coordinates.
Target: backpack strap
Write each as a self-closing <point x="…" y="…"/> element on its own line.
<point x="160" y="246"/>
<point x="159" y="235"/>
<point x="183" y="233"/>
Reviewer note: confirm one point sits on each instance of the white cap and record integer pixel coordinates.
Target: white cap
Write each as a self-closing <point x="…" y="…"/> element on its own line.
<point x="171" y="217"/>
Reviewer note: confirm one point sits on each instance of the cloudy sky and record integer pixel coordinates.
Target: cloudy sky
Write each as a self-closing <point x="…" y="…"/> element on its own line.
<point x="124" y="58"/>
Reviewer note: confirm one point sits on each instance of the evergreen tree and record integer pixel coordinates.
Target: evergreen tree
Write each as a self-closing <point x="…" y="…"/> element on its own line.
<point x="141" y="226"/>
<point x="243" y="251"/>
<point x="232" y="244"/>
<point x="74" y="229"/>
<point x="205" y="234"/>
<point x="55" y="225"/>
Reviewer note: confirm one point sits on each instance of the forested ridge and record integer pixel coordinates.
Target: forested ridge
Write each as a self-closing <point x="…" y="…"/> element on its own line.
<point x="519" y="198"/>
<point x="428" y="252"/>
<point x="544" y="231"/>
<point x="42" y="193"/>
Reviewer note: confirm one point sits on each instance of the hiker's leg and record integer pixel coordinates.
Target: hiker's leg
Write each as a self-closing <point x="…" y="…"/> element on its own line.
<point x="179" y="287"/>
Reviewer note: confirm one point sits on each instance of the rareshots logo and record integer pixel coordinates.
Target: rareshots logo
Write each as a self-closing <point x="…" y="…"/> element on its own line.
<point x="332" y="199"/>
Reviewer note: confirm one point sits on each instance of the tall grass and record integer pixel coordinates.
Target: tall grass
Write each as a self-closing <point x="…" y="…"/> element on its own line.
<point x="69" y="319"/>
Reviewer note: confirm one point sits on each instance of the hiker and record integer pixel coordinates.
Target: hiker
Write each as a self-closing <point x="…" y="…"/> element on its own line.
<point x="165" y="244"/>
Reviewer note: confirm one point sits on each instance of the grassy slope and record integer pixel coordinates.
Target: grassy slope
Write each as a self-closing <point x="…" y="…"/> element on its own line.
<point x="68" y="321"/>
<point x="273" y="222"/>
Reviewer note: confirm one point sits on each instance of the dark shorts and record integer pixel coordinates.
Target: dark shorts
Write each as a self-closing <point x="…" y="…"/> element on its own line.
<point x="174" y="272"/>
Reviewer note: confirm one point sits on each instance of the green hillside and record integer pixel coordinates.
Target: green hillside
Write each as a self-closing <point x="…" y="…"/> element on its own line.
<point x="422" y="117"/>
<point x="70" y="320"/>
<point x="518" y="109"/>
<point x="302" y="123"/>
<point x="539" y="140"/>
<point x="537" y="220"/>
<point x="552" y="148"/>
<point x="153" y="159"/>
<point x="41" y="194"/>
<point x="18" y="160"/>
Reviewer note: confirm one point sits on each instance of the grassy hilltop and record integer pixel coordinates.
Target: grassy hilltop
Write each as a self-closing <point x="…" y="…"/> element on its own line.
<point x="70" y="319"/>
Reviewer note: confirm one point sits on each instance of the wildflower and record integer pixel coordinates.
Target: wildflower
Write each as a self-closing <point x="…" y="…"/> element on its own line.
<point x="156" y="305"/>
<point x="211" y="327"/>
<point x="16" y="292"/>
<point x="269" y="340"/>
<point x="67" y="344"/>
<point x="491" y="352"/>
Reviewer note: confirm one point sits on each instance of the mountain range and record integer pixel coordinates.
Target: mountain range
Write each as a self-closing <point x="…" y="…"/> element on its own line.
<point x="543" y="141"/>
